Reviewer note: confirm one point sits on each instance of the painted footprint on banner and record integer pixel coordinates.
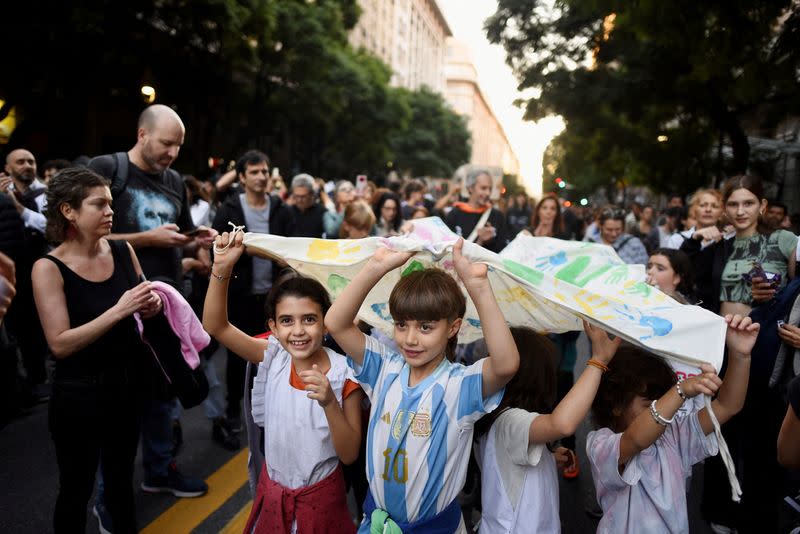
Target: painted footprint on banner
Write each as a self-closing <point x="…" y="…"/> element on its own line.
<point x="659" y="325"/>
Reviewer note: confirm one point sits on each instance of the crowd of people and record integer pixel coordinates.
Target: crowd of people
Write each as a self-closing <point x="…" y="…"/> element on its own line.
<point x="110" y="265"/>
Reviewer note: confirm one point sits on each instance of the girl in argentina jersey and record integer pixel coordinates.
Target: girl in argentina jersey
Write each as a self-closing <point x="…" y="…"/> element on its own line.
<point x="424" y="406"/>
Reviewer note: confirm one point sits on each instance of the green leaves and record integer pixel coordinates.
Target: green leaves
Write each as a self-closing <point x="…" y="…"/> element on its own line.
<point x="622" y="74"/>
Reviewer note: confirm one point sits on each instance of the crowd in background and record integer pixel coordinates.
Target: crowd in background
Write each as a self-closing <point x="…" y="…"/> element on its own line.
<point x="731" y="251"/>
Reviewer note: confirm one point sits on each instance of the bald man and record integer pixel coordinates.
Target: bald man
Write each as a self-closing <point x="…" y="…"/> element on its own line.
<point x="151" y="212"/>
<point x="20" y="184"/>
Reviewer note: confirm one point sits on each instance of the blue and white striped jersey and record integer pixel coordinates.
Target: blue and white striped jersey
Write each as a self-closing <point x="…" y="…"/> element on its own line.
<point x="419" y="438"/>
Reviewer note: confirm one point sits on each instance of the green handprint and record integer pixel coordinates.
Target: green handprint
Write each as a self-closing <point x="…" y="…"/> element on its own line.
<point x="337" y="284"/>
<point x="572" y="271"/>
<point x="640" y="288"/>
<point x="617" y="274"/>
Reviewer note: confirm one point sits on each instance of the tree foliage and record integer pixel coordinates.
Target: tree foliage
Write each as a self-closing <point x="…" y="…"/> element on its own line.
<point x="278" y="75"/>
<point x="621" y="74"/>
<point x="437" y="139"/>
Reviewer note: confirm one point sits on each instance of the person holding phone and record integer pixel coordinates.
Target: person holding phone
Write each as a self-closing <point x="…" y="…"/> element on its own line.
<point x="151" y="208"/>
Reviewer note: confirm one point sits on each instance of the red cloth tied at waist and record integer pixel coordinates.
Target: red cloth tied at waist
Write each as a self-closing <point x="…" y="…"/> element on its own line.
<point x="321" y="507"/>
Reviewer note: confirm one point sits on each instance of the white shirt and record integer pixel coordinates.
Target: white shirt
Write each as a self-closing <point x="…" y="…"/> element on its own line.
<point x="519" y="480"/>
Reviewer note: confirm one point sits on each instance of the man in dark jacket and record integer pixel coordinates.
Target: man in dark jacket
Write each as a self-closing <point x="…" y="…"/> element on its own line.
<point x="466" y="216"/>
<point x="257" y="211"/>
<point x="304" y="216"/>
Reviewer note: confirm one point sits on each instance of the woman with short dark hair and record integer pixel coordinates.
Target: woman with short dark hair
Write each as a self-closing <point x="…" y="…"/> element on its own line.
<point x="87" y="290"/>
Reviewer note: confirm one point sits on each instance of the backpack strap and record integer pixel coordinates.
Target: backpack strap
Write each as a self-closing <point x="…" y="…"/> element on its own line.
<point x="120" y="181"/>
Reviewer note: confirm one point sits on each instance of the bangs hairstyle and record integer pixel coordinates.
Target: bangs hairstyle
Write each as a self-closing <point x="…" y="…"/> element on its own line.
<point x="358" y="215"/>
<point x="428" y="295"/>
<point x="632" y="372"/>
<point x="534" y="387"/>
<point x="293" y="284"/>
<point x="70" y="186"/>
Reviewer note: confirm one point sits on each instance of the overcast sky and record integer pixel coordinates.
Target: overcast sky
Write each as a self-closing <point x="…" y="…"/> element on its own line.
<point x="528" y="140"/>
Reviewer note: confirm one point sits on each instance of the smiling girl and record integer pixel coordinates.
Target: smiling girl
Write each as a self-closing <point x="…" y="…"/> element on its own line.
<point x="303" y="397"/>
<point x="719" y="267"/>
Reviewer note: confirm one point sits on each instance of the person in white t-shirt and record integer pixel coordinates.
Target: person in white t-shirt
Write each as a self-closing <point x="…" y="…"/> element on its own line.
<point x="641" y="454"/>
<point x="519" y="482"/>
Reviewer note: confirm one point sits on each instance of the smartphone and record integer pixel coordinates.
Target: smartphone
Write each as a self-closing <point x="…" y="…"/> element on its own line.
<point x="276" y="172"/>
<point x="191" y="233"/>
<point x="781" y="323"/>
<point x="361" y="184"/>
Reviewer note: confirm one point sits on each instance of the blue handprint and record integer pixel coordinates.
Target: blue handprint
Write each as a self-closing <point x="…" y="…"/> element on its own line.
<point x="659" y="325"/>
<point x="551" y="262"/>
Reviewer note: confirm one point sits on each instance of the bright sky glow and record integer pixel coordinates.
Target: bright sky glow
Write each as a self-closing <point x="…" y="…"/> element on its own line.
<point x="529" y="140"/>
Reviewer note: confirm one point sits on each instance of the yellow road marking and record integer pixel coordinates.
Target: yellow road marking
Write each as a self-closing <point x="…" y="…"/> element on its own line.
<point x="239" y="521"/>
<point x="186" y="514"/>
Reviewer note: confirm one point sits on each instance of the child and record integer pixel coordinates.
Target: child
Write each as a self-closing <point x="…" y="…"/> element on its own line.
<point x="358" y="221"/>
<point x="519" y="486"/>
<point x="303" y="440"/>
<point x="640" y="457"/>
<point x="423" y="405"/>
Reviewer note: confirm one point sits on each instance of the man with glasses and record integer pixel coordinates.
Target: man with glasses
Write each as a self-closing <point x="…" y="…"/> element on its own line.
<point x="611" y="224"/>
<point x="302" y="215"/>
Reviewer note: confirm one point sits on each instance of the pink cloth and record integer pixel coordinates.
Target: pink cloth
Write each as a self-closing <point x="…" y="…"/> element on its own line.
<point x="183" y="321"/>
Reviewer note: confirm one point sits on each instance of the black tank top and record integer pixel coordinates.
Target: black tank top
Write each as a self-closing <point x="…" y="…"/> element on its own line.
<point x="116" y="357"/>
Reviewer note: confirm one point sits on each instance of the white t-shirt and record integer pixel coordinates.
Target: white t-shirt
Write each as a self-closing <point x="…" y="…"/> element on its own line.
<point x="519" y="480"/>
<point x="298" y="448"/>
<point x="650" y="494"/>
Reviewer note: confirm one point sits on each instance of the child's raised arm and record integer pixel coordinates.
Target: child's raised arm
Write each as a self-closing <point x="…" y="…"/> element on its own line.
<point x="644" y="431"/>
<point x="503" y="360"/>
<point x="215" y="309"/>
<point x="341" y="316"/>
<point x="576" y="403"/>
<point x="740" y="338"/>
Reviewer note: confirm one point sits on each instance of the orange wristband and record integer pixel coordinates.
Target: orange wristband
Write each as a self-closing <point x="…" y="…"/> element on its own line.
<point x="594" y="363"/>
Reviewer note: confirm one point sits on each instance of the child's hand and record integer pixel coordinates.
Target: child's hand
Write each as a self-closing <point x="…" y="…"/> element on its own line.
<point x="741" y="335"/>
<point x="564" y="457"/>
<point x="707" y="382"/>
<point x="603" y="347"/>
<point x="318" y="386"/>
<point x="227" y="253"/>
<point x="387" y="259"/>
<point x="470" y="273"/>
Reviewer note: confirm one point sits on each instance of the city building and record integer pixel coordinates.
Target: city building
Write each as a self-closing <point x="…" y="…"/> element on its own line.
<point x="490" y="145"/>
<point x="409" y="36"/>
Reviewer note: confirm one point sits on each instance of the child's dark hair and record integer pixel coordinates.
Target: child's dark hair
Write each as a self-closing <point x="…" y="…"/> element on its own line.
<point x="293" y="284"/>
<point x="632" y="372"/>
<point x="428" y="295"/>
<point x="533" y="388"/>
<point x="682" y="266"/>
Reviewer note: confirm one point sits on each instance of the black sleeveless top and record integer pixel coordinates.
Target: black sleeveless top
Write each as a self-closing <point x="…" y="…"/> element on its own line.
<point x="117" y="357"/>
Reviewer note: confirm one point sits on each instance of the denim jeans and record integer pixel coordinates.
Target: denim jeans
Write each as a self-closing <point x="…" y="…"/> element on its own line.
<point x="157" y="437"/>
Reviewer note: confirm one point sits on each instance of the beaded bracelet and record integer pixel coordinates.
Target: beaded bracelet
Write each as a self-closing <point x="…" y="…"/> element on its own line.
<point x="657" y="416"/>
<point x="681" y="394"/>
<point x="600" y="365"/>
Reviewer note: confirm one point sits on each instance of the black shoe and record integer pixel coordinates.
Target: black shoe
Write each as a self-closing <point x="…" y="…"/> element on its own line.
<point x="176" y="483"/>
<point x="222" y="433"/>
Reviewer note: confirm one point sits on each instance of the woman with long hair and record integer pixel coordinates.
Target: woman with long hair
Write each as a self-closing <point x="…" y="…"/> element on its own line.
<point x="388" y="211"/>
<point x="732" y="275"/>
<point x="547" y="219"/>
